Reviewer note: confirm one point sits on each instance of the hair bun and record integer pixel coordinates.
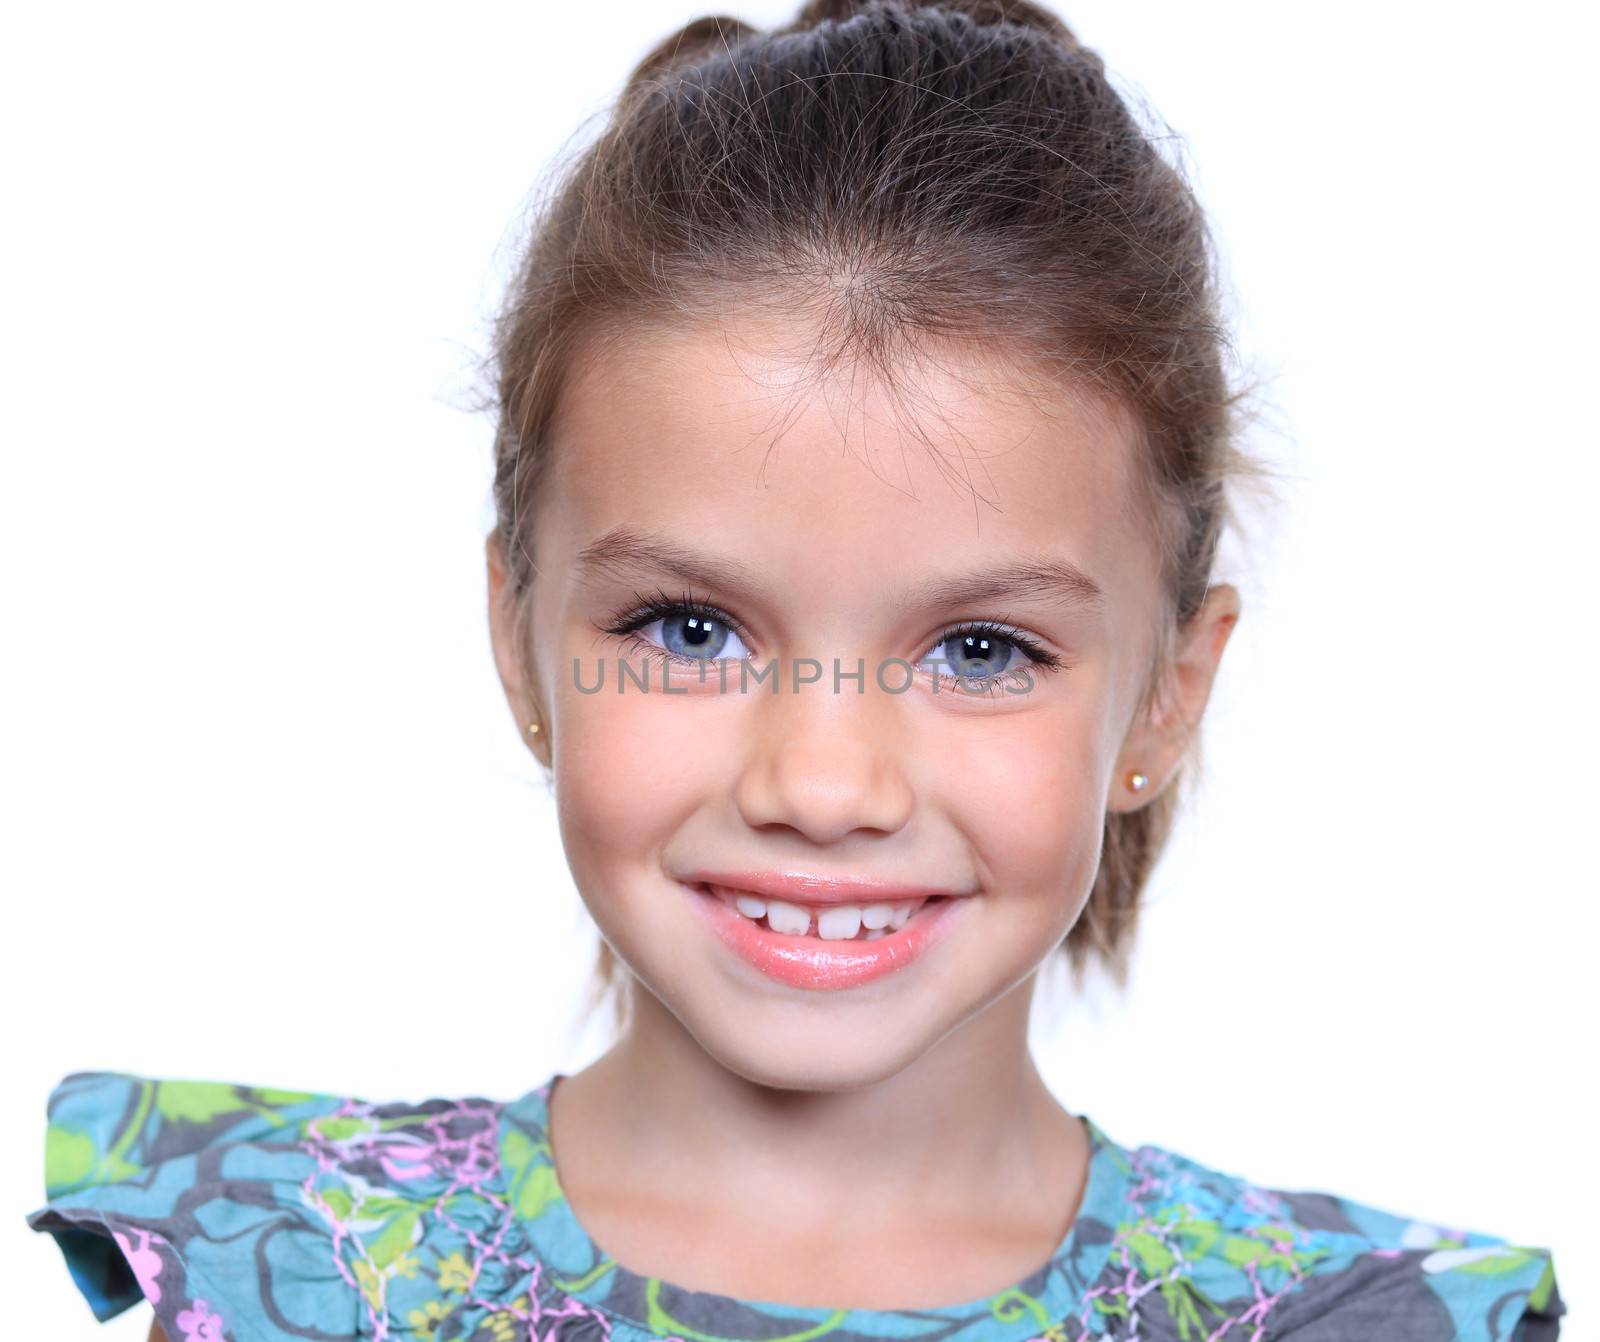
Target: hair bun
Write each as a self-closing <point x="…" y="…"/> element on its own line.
<point x="715" y="32"/>
<point x="708" y="33"/>
<point x="1024" y="13"/>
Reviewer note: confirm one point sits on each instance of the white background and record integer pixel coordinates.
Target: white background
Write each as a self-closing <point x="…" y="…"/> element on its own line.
<point x="269" y="820"/>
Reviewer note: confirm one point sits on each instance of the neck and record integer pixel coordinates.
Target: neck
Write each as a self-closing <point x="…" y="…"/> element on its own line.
<point x="965" y="1133"/>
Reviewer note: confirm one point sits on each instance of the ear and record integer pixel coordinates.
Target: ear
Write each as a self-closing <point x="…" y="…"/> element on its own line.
<point x="1156" y="744"/>
<point x="505" y="633"/>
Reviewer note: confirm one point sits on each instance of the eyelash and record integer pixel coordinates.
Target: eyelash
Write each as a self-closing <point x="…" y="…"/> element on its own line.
<point x="660" y="605"/>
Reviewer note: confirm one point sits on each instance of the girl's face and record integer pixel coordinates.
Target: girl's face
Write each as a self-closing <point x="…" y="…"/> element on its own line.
<point x="704" y="490"/>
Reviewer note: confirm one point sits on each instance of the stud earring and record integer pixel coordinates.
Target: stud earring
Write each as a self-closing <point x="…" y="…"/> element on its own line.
<point x="533" y="726"/>
<point x="1138" y="782"/>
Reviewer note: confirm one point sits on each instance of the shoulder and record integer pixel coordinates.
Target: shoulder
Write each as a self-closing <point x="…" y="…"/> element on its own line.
<point x="255" y="1214"/>
<point x="1199" y="1248"/>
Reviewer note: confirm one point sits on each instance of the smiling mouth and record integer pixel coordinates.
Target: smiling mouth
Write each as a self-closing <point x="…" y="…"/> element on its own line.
<point x="830" y="922"/>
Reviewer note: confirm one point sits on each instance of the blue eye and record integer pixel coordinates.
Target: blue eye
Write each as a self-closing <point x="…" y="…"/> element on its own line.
<point x="977" y="653"/>
<point x="981" y="656"/>
<point x="696" y="636"/>
<point x="690" y="632"/>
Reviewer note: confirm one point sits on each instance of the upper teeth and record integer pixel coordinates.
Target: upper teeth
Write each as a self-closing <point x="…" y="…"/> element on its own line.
<point x="836" y="922"/>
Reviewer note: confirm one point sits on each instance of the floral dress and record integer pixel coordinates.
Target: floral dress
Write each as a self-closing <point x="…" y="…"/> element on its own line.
<point x="247" y="1214"/>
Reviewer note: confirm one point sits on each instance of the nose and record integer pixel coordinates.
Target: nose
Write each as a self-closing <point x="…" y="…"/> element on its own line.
<point x="825" y="765"/>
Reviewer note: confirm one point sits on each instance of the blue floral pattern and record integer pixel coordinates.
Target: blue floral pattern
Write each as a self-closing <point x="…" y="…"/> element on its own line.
<point x="247" y="1214"/>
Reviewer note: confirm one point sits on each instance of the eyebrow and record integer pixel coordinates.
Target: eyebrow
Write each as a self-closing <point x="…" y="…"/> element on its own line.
<point x="1058" y="580"/>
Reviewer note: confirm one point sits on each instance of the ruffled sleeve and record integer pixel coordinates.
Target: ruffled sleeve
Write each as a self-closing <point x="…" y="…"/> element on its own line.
<point x="1506" y="1290"/>
<point x="1200" y="1251"/>
<point x="1381" y="1274"/>
<point x="195" y="1196"/>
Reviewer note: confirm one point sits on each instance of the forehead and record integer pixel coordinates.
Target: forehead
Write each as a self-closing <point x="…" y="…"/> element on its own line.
<point x="728" y="437"/>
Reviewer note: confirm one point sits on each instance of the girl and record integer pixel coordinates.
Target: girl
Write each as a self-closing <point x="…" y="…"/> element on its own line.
<point x="864" y="448"/>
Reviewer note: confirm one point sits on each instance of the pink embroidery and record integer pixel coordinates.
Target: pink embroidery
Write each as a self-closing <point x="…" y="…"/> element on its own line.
<point x="144" y="1261"/>
<point x="405" y="1161"/>
<point x="473" y="1161"/>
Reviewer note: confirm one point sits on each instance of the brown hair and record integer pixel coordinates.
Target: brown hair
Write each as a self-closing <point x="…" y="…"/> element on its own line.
<point x="957" y="171"/>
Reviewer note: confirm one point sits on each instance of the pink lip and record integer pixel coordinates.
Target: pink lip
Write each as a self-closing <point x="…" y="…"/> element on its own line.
<point x="800" y="888"/>
<point x="810" y="962"/>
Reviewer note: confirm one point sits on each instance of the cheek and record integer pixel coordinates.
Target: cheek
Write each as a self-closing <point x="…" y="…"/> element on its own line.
<point x="1027" y="794"/>
<point x="628" y="770"/>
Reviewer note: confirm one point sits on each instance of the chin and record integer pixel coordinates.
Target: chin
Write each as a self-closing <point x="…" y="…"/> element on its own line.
<point x="810" y="1059"/>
